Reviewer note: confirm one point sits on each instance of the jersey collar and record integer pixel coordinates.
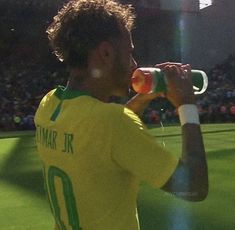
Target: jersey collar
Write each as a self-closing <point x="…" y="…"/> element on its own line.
<point x="65" y="93"/>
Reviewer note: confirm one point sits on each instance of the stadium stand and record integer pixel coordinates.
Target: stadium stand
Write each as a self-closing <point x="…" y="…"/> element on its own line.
<point x="217" y="104"/>
<point x="28" y="70"/>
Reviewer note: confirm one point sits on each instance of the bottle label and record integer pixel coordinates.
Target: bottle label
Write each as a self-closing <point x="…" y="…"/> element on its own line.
<point x="149" y="80"/>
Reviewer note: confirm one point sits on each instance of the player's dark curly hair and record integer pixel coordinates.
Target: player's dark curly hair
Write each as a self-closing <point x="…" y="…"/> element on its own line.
<point x="81" y="25"/>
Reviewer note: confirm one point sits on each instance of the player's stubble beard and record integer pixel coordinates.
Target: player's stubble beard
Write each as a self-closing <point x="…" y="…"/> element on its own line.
<point x="121" y="77"/>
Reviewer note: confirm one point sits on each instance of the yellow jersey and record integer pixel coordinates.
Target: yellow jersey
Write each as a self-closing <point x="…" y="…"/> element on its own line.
<point x="95" y="154"/>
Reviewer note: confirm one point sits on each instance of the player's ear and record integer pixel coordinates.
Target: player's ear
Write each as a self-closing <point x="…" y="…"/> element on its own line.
<point x="106" y="52"/>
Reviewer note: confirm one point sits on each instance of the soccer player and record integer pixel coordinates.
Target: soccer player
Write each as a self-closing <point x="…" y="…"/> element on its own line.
<point x="96" y="153"/>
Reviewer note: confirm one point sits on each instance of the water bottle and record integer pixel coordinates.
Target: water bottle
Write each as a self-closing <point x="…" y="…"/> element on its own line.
<point x="149" y="80"/>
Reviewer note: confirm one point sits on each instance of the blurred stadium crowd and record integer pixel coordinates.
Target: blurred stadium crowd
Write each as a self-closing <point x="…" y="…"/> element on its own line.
<point x="21" y="93"/>
<point x="22" y="86"/>
<point x="28" y="70"/>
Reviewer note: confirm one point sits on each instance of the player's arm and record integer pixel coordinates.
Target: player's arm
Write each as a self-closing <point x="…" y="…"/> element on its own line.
<point x="140" y="102"/>
<point x="190" y="179"/>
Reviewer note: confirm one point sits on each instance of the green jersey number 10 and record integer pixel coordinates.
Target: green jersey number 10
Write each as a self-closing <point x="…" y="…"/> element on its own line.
<point x="68" y="197"/>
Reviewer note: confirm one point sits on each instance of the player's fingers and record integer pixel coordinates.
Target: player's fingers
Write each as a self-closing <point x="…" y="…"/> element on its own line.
<point x="162" y="65"/>
<point x="173" y="71"/>
<point x="186" y="66"/>
<point x="181" y="71"/>
<point x="186" y="71"/>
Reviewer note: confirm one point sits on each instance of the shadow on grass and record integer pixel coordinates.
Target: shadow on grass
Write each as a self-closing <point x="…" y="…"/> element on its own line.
<point x="23" y="168"/>
<point x="203" y="132"/>
<point x="158" y="210"/>
<point x="221" y="154"/>
<point x="32" y="181"/>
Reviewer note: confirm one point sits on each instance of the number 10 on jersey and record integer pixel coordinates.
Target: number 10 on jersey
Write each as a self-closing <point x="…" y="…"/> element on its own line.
<point x="68" y="197"/>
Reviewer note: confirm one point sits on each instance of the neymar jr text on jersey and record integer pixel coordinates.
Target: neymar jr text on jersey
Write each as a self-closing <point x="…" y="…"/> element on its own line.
<point x="49" y="138"/>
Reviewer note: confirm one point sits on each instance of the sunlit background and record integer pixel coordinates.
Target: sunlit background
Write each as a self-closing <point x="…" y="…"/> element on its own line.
<point x="190" y="31"/>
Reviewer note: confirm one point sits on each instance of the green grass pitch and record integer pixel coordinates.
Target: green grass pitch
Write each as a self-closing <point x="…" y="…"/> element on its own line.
<point x="23" y="205"/>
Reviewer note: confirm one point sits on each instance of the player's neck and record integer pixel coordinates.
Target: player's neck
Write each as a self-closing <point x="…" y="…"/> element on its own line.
<point x="92" y="83"/>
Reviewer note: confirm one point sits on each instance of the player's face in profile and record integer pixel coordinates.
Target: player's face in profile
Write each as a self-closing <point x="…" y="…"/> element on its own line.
<point x="124" y="64"/>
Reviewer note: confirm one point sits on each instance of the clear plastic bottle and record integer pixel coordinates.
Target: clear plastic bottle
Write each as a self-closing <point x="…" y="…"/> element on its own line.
<point x="149" y="79"/>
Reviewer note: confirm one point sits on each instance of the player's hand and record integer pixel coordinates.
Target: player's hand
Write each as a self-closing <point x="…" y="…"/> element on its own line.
<point x="179" y="82"/>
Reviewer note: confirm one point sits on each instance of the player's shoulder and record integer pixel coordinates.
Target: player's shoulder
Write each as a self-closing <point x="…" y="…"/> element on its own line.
<point x="115" y="109"/>
<point x="48" y="95"/>
<point x="119" y="113"/>
<point x="46" y="99"/>
<point x="108" y="110"/>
